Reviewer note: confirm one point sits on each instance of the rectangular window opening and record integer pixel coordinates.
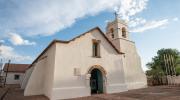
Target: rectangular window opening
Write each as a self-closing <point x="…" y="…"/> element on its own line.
<point x="16" y="77"/>
<point x="96" y="48"/>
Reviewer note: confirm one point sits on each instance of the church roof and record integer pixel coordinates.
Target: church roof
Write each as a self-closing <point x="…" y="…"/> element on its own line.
<point x="62" y="41"/>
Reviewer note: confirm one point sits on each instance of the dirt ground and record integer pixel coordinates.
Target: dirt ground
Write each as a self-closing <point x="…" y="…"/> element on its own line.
<point x="150" y="93"/>
<point x="15" y="93"/>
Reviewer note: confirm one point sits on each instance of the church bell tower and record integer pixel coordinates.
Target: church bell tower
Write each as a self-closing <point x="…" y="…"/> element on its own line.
<point x="116" y="31"/>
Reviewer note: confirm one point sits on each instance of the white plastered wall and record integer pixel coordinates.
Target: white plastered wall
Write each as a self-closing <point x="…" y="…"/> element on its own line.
<point x="132" y="61"/>
<point x="10" y="78"/>
<point x="78" y="54"/>
<point x="135" y="77"/>
<point x="41" y="79"/>
<point x="26" y="77"/>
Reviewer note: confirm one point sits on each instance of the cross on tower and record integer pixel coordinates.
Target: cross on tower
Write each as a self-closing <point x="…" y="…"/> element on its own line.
<point x="116" y="14"/>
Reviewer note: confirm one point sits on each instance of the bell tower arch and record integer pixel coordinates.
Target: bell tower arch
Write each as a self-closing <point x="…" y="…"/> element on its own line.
<point x="118" y="34"/>
<point x="117" y="29"/>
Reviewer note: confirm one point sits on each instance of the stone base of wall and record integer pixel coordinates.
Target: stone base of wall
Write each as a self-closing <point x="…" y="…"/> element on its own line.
<point x="136" y="85"/>
<point x="115" y="88"/>
<point x="70" y="92"/>
<point x="74" y="92"/>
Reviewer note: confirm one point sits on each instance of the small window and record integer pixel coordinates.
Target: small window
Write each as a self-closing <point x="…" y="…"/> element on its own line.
<point x="112" y="35"/>
<point x="96" y="48"/>
<point x="16" y="77"/>
<point x="124" y="32"/>
<point x="112" y="32"/>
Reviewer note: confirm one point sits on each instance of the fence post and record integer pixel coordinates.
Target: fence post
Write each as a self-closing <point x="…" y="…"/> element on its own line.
<point x="7" y="72"/>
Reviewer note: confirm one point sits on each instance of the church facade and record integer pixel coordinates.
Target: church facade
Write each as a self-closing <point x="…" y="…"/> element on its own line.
<point x="92" y="63"/>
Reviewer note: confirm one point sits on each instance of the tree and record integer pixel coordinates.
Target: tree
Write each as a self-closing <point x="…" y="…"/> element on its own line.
<point x="178" y="66"/>
<point x="167" y="62"/>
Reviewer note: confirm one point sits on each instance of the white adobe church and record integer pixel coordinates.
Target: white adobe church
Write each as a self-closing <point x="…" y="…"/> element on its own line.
<point x="92" y="63"/>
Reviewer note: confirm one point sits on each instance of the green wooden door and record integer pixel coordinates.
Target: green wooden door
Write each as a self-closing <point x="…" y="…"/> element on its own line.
<point x="96" y="81"/>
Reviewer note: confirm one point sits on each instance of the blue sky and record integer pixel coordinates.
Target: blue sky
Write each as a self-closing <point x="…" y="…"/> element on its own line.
<point x="27" y="27"/>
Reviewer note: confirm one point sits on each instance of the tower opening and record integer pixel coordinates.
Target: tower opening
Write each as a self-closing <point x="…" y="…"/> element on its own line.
<point x="124" y="32"/>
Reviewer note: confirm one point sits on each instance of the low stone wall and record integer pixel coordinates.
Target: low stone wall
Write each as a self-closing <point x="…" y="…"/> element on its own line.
<point x="164" y="80"/>
<point x="154" y="81"/>
<point x="173" y="80"/>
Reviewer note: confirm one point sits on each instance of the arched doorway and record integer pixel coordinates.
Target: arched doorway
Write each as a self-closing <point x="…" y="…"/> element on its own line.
<point x="96" y="81"/>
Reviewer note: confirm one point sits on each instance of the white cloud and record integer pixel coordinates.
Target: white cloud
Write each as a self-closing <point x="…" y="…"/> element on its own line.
<point x="150" y="25"/>
<point x="7" y="52"/>
<point x="129" y="8"/>
<point x="137" y="21"/>
<point x="175" y="19"/>
<point x="18" y="40"/>
<point x="46" y="17"/>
